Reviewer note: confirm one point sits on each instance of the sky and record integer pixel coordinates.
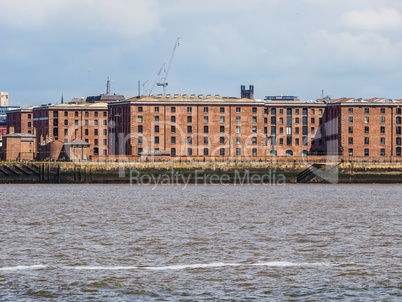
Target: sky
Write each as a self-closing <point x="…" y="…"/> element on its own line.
<point x="346" y="48"/>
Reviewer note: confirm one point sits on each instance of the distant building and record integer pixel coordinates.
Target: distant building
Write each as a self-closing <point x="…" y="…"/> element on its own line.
<point x="4" y="99"/>
<point x="105" y="98"/>
<point x="247" y="93"/>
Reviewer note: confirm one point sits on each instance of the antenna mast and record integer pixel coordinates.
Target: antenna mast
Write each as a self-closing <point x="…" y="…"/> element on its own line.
<point x="108" y="86"/>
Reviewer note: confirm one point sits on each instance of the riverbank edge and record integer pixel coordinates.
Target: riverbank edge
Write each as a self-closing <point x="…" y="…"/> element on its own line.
<point x="196" y="173"/>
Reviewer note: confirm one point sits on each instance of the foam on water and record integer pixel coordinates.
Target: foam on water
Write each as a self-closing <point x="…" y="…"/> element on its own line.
<point x="22" y="267"/>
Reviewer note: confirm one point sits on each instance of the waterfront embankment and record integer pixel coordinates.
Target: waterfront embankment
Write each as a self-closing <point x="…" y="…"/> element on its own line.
<point x="200" y="172"/>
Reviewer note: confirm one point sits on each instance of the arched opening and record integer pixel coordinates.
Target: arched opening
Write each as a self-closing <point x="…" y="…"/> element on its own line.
<point x="289" y="153"/>
<point x="273" y="153"/>
<point x="304" y="153"/>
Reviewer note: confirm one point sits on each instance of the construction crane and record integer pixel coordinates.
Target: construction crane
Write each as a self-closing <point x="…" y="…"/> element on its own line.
<point x="161" y="78"/>
<point x="163" y="82"/>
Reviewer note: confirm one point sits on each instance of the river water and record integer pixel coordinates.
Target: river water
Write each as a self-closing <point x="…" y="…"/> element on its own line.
<point x="200" y="243"/>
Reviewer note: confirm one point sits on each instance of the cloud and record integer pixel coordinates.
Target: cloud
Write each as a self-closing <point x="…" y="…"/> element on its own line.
<point x="127" y="17"/>
<point x="371" y="19"/>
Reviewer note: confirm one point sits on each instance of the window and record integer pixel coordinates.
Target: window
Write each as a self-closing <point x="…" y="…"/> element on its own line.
<point x="222" y="129"/>
<point x="273" y="130"/>
<point x="156" y="129"/>
<point x="288" y="111"/>
<point x="382" y="130"/>
<point x="289" y="140"/>
<point x="156" y="109"/>
<point x="366" y="141"/>
<point x="238" y="140"/>
<point x="398" y="151"/>
<point x="222" y="151"/>
<point x="254" y="119"/>
<point x="366" y="110"/>
<point x="265" y="130"/>
<point x="189" y="140"/>
<point x="104" y="122"/>
<point x="86" y="132"/>
<point x="304" y="120"/>
<point x="280" y="111"/>
<point x="189" y="150"/>
<point x="313" y="120"/>
<point x="297" y="120"/>
<point x="238" y="129"/>
<point x="238" y="151"/>
<point x="382" y="119"/>
<point x="205" y="119"/>
<point x="140" y="139"/>
<point x="189" y="109"/>
<point x="350" y="152"/>
<point x="96" y="151"/>
<point x="254" y="151"/>
<point x="304" y="111"/>
<point x="366" y="120"/>
<point x="205" y="109"/>
<point x="173" y="129"/>
<point x="350" y="119"/>
<point x="189" y="129"/>
<point x="55" y="114"/>
<point x="254" y="140"/>
<point x="398" y="110"/>
<point x="280" y="130"/>
<point x="304" y="130"/>
<point x="105" y="113"/>
<point x="366" y="152"/>
<point x="350" y="140"/>
<point x="173" y="151"/>
<point x="238" y="110"/>
<point x="288" y="130"/>
<point x="65" y="132"/>
<point x="76" y="113"/>
<point x="172" y="109"/>
<point x="281" y="141"/>
<point x="65" y="114"/>
<point x="95" y="131"/>
<point x="312" y="130"/>
<point x="140" y="129"/>
<point x="398" y="141"/>
<point x="96" y="114"/>
<point x="366" y="130"/>
<point x="350" y="129"/>
<point x="86" y="122"/>
<point x="265" y="120"/>
<point x="382" y="152"/>
<point x="238" y="119"/>
<point x="96" y="142"/>
<point x="205" y="139"/>
<point x="189" y="119"/>
<point x="156" y="118"/>
<point x="173" y="140"/>
<point x="297" y="141"/>
<point x="205" y="129"/>
<point x="398" y="120"/>
<point x="289" y="120"/>
<point x="222" y="119"/>
<point x="86" y="113"/>
<point x="205" y="151"/>
<point x="273" y="111"/>
<point x="221" y="140"/>
<point x="254" y="109"/>
<point x="104" y="131"/>
<point x="254" y="129"/>
<point x="304" y="140"/>
<point x="55" y="122"/>
<point x="222" y="109"/>
<point x="320" y="111"/>
<point x="281" y="120"/>
<point x="312" y="111"/>
<point x="273" y="120"/>
<point x="398" y="130"/>
<point x="76" y="122"/>
<point x="139" y="109"/>
<point x="173" y="119"/>
<point x="65" y="123"/>
<point x="297" y="130"/>
<point x="382" y="110"/>
<point x="140" y="151"/>
<point x="382" y="141"/>
<point x="96" y="122"/>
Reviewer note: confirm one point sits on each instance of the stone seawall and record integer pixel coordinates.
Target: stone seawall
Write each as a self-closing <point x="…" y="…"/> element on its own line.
<point x="195" y="172"/>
